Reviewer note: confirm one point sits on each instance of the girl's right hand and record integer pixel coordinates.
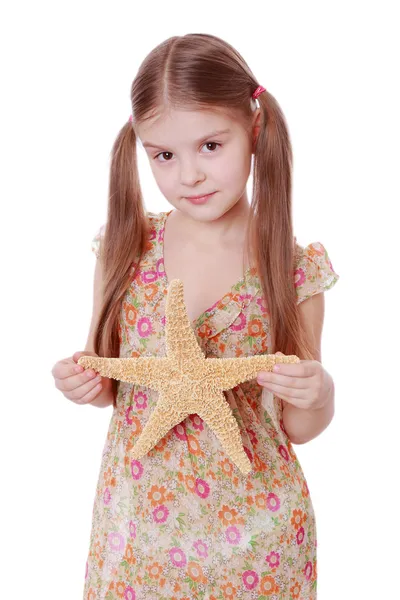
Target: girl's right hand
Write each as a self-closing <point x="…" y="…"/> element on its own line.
<point x="79" y="386"/>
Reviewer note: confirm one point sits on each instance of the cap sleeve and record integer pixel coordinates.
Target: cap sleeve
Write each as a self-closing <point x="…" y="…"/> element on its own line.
<point x="314" y="272"/>
<point x="97" y="240"/>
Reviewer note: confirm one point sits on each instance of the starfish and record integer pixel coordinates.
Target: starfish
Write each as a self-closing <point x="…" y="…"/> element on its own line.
<point x="187" y="382"/>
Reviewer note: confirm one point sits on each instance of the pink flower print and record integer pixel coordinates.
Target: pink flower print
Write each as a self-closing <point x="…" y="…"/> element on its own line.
<point x="301" y="277"/>
<point x="160" y="513"/>
<point x="232" y="535"/>
<point x="245" y="298"/>
<point x="129" y="593"/>
<point x="116" y="541"/>
<point x="180" y="431"/>
<point x="201" y="548"/>
<point x="202" y="488"/>
<point x="197" y="422"/>
<point x="163" y="321"/>
<point x="152" y="233"/>
<point x="160" y="267"/>
<point x="136" y="469"/>
<point x="273" y="559"/>
<point x="252" y="435"/>
<point x="106" y="496"/>
<point x="283" y="452"/>
<point x="239" y="323"/>
<point x="300" y="536"/>
<point x="273" y="502"/>
<point x="140" y="400"/>
<point x="308" y="570"/>
<point x="132" y="529"/>
<point x="177" y="557"/>
<point x="128" y="415"/>
<point x="144" y="327"/>
<point x="250" y="579"/>
<point x="161" y="234"/>
<point x="262" y="306"/>
<point x="149" y="276"/>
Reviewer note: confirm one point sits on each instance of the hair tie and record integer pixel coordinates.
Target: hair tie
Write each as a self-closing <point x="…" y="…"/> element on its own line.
<point x="258" y="91"/>
<point x="130" y="118"/>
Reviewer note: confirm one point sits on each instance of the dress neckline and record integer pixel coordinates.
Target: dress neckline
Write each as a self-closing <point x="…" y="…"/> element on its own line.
<point x="233" y="288"/>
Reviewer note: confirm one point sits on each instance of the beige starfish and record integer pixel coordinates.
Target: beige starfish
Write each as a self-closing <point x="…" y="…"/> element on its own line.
<point x="187" y="382"/>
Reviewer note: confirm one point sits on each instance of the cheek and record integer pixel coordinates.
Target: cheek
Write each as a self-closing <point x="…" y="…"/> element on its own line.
<point x="233" y="171"/>
<point x="165" y="181"/>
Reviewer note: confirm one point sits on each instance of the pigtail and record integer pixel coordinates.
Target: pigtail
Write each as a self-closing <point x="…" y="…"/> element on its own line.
<point x="271" y="230"/>
<point x="125" y="240"/>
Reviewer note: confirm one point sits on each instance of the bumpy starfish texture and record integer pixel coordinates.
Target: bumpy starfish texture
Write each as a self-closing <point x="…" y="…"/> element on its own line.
<point x="187" y="382"/>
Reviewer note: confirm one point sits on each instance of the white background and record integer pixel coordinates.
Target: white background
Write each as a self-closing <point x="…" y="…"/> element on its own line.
<point x="67" y="70"/>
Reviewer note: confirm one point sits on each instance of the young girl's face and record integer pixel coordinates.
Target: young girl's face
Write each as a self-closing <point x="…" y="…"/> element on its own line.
<point x="188" y="158"/>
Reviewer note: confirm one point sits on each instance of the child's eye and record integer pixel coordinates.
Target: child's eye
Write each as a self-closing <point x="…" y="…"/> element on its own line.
<point x="170" y="153"/>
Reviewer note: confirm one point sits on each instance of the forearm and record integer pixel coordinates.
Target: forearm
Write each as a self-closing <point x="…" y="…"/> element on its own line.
<point x="105" y="398"/>
<point x="303" y="425"/>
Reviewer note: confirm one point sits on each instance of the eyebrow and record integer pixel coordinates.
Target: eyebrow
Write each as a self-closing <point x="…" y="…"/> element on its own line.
<point x="202" y="139"/>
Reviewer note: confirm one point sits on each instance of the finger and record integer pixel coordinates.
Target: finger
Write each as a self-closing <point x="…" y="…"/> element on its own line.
<point x="85" y="390"/>
<point x="284" y="381"/>
<point x="286" y="393"/>
<point x="301" y="369"/>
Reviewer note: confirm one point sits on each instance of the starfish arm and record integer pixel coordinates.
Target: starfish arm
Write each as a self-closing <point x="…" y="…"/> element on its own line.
<point x="217" y="413"/>
<point x="181" y="341"/>
<point x="150" y="372"/>
<point x="169" y="411"/>
<point x="228" y="372"/>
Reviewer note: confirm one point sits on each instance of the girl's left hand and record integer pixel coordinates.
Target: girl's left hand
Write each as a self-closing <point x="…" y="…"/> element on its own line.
<point x="304" y="384"/>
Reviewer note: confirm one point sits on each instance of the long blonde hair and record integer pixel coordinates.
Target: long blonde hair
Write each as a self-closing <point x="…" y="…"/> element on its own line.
<point x="208" y="73"/>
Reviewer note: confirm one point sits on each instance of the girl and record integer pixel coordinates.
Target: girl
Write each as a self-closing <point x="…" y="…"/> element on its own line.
<point x="181" y="523"/>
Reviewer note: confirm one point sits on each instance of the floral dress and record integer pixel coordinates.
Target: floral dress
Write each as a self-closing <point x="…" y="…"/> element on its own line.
<point x="182" y="523"/>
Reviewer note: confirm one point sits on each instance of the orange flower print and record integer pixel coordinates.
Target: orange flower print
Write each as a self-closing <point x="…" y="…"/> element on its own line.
<point x="228" y="591"/>
<point x="156" y="495"/>
<point x="304" y="489"/>
<point x="131" y="314"/>
<point x="109" y="479"/>
<point x="150" y="291"/>
<point x="261" y="501"/>
<point x="129" y="556"/>
<point x="195" y="572"/>
<point x="295" y="590"/>
<point x="298" y="518"/>
<point x="226" y="467"/>
<point x="268" y="586"/>
<point x="190" y="483"/>
<point x="135" y="429"/>
<point x="259" y="464"/>
<point x="255" y="328"/>
<point x="204" y="331"/>
<point x="194" y="445"/>
<point x="229" y="516"/>
<point x="154" y="570"/>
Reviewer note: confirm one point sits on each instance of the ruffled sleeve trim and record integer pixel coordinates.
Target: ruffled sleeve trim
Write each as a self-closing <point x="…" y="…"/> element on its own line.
<point x="96" y="241"/>
<point x="314" y="271"/>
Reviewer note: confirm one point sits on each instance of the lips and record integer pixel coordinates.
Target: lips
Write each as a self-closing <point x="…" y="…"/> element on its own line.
<point x="199" y="199"/>
<point x="200" y="196"/>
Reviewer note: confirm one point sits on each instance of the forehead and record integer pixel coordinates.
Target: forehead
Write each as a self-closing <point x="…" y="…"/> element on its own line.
<point x="183" y="126"/>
